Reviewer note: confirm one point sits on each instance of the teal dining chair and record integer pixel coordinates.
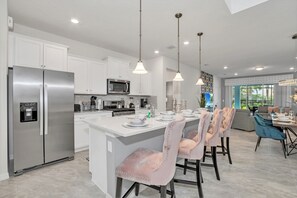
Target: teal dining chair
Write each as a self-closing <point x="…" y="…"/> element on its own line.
<point x="265" y="129"/>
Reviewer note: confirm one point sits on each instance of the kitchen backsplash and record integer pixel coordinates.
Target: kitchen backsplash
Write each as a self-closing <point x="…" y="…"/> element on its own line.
<point x="134" y="99"/>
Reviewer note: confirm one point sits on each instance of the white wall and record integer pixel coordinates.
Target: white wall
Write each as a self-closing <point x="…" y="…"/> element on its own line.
<point x="3" y="90"/>
<point x="170" y="74"/>
<point x="75" y="47"/>
<point x="217" y="85"/>
<point x="158" y="81"/>
<point x="188" y="89"/>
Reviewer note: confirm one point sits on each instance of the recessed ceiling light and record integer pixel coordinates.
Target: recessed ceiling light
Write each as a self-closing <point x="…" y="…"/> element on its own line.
<point x="296" y="57"/>
<point x="157" y="52"/>
<point x="186" y="43"/>
<point x="292" y="68"/>
<point x="235" y="74"/>
<point x="74" y="20"/>
<point x="260" y="68"/>
<point x="225" y="67"/>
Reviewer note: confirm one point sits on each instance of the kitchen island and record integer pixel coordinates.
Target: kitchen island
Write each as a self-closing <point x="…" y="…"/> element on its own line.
<point x="111" y="143"/>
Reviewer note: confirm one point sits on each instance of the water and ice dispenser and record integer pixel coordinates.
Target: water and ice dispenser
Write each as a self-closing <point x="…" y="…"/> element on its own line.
<point x="28" y="112"/>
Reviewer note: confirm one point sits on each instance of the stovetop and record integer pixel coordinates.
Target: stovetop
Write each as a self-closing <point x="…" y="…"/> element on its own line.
<point x="119" y="109"/>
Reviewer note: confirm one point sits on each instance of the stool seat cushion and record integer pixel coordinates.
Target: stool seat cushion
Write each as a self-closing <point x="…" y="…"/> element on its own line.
<point x="140" y="165"/>
<point x="185" y="147"/>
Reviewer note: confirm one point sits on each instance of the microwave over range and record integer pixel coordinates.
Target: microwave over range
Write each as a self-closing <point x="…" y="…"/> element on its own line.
<point x="115" y="86"/>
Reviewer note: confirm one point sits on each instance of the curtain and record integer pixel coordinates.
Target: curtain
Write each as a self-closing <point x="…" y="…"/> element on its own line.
<point x="282" y="96"/>
<point x="228" y="96"/>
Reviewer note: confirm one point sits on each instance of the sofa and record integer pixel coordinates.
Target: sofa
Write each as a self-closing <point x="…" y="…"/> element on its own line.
<point x="243" y="120"/>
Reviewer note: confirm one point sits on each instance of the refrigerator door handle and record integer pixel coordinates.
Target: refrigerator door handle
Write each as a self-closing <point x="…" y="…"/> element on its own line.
<point x="45" y="110"/>
<point x="41" y="109"/>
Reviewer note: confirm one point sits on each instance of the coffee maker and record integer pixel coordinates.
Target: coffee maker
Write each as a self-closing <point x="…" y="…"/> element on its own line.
<point x="143" y="102"/>
<point x="93" y="102"/>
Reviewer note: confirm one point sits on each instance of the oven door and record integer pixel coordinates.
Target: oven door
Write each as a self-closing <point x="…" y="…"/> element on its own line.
<point x="118" y="86"/>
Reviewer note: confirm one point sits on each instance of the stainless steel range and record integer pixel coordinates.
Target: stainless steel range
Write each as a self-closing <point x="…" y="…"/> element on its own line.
<point x="117" y="108"/>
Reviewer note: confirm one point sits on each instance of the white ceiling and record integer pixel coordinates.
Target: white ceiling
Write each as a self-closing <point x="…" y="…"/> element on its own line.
<point x="260" y="35"/>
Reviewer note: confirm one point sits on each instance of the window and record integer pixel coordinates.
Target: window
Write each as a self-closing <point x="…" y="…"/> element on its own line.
<point x="252" y="96"/>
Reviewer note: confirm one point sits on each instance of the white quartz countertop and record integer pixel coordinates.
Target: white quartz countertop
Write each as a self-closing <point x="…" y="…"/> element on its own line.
<point x="114" y="125"/>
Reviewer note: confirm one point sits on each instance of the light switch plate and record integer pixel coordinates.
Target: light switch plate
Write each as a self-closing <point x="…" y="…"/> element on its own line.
<point x="109" y="146"/>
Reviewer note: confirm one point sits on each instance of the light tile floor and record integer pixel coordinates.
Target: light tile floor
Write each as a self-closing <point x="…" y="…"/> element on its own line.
<point x="263" y="174"/>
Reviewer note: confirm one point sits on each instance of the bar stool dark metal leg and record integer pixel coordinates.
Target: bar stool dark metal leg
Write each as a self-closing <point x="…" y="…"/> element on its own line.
<point x="172" y="189"/>
<point x="214" y="160"/>
<point x="119" y="187"/>
<point x="137" y="189"/>
<point x="223" y="146"/>
<point x="185" y="166"/>
<point x="163" y="191"/>
<point x="204" y="154"/>
<point x="228" y="150"/>
<point x="198" y="176"/>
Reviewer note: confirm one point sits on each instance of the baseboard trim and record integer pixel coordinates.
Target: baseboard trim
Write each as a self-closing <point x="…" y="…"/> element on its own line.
<point x="81" y="149"/>
<point x="4" y="176"/>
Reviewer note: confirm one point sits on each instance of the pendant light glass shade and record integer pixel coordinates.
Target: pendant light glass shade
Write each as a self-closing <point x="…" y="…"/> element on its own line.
<point x="178" y="76"/>
<point x="140" y="69"/>
<point x="200" y="81"/>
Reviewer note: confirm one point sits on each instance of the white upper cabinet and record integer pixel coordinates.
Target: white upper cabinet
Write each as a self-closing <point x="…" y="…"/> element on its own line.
<point x="89" y="76"/>
<point x="134" y="83"/>
<point x="146" y="84"/>
<point x="117" y="68"/>
<point x="30" y="52"/>
<point x="97" y="77"/>
<point x="27" y="52"/>
<point x="55" y="57"/>
<point x="80" y="69"/>
<point x="140" y="84"/>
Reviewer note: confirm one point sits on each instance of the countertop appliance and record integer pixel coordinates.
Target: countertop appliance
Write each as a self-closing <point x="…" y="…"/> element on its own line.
<point x="115" y="86"/>
<point x="93" y="102"/>
<point x="77" y="108"/>
<point x="113" y="106"/>
<point x="143" y="102"/>
<point x="131" y="105"/>
<point x="41" y="118"/>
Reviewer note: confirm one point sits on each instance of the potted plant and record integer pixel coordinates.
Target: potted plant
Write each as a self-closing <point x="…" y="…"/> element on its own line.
<point x="201" y="101"/>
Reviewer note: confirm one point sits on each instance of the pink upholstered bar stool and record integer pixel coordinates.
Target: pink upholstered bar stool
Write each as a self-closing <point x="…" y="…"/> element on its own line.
<point x="228" y="117"/>
<point x="212" y="140"/>
<point x="193" y="149"/>
<point x="152" y="168"/>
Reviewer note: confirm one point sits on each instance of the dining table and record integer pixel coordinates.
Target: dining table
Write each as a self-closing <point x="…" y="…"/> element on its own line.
<point x="289" y="125"/>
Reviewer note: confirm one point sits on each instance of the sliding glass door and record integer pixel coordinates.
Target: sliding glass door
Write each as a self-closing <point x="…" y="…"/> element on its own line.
<point x="252" y="96"/>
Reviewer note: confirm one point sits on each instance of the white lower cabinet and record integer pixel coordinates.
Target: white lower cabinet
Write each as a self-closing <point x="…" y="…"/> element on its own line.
<point x="81" y="136"/>
<point x="81" y="128"/>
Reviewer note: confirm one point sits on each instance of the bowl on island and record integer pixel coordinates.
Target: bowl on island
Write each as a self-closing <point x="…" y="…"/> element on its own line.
<point x="136" y="121"/>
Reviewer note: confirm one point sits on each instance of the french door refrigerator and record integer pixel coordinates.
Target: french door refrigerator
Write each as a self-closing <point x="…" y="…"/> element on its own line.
<point x="41" y="117"/>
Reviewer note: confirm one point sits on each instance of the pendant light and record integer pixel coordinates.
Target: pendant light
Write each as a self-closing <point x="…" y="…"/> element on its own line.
<point x="200" y="81"/>
<point x="178" y="76"/>
<point x="139" y="69"/>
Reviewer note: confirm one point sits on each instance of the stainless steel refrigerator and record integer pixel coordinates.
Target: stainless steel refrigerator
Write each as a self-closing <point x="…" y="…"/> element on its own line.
<point x="41" y="117"/>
